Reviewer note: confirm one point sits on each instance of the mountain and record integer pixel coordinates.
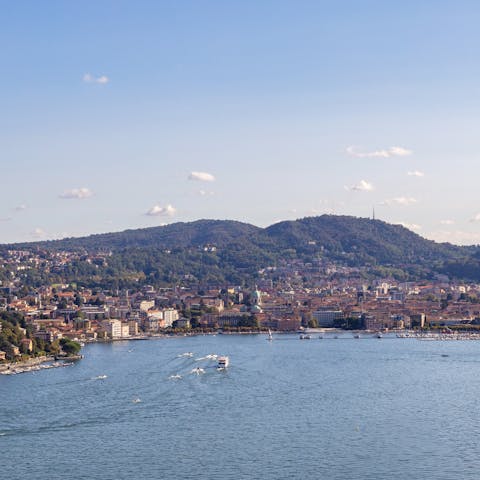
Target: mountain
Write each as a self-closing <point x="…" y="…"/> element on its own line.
<point x="231" y="251"/>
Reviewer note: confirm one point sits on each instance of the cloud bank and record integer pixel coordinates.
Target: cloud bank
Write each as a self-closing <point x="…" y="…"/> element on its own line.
<point x="402" y="201"/>
<point x="159" y="211"/>
<point x="410" y="226"/>
<point x="76" y="193"/>
<point x="201" y="177"/>
<point x="383" y="153"/>
<point x="362" y="186"/>
<point x="101" y="80"/>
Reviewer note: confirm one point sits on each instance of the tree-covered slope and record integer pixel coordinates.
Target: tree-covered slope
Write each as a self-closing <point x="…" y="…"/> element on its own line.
<point x="229" y="251"/>
<point x="364" y="239"/>
<point x="176" y="235"/>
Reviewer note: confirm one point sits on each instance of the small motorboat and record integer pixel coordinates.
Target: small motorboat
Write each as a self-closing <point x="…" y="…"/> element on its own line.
<point x="223" y="362"/>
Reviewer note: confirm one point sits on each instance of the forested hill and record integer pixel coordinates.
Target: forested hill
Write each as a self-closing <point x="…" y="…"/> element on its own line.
<point x="225" y="250"/>
<point x="176" y="235"/>
<point x="365" y="239"/>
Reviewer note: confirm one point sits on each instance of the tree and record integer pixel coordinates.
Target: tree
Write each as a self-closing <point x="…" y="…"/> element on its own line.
<point x="62" y="304"/>
<point x="69" y="346"/>
<point x="313" y="323"/>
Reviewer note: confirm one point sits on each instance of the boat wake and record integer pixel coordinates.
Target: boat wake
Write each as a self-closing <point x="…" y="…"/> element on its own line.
<point x="100" y="377"/>
<point x="197" y="371"/>
<point x="185" y="355"/>
<point x="211" y="356"/>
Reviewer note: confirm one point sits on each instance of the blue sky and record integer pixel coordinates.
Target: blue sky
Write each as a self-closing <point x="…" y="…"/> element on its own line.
<point x="117" y="114"/>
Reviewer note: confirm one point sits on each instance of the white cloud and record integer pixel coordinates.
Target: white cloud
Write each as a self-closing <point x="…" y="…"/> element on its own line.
<point x="76" y="193"/>
<point x="458" y="237"/>
<point x="38" y="233"/>
<point x="383" y="153"/>
<point x="415" y="173"/>
<point x="410" y="226"/>
<point x="20" y="208"/>
<point x="101" y="80"/>
<point x="6" y="219"/>
<point x="205" y="193"/>
<point x="446" y="222"/>
<point x="402" y="201"/>
<point x="158" y="211"/>
<point x="399" y="152"/>
<point x="201" y="176"/>
<point x="475" y="218"/>
<point x="362" y="186"/>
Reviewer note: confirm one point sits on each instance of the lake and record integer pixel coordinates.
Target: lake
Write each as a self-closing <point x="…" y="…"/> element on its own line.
<point x="288" y="409"/>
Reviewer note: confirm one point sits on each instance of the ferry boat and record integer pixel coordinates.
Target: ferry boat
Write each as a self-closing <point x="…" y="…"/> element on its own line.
<point x="223" y="362"/>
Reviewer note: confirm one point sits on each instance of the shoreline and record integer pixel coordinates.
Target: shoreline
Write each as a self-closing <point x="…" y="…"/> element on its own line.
<point x="37" y="363"/>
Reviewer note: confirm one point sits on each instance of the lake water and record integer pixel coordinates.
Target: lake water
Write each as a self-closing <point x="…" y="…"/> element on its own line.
<point x="314" y="409"/>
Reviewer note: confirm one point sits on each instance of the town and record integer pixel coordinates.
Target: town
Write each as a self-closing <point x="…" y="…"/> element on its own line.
<point x="284" y="298"/>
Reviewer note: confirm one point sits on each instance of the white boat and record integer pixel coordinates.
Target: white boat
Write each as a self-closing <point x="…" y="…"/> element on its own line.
<point x="270" y="336"/>
<point x="223" y="362"/>
<point x="379" y="335"/>
<point x="357" y="335"/>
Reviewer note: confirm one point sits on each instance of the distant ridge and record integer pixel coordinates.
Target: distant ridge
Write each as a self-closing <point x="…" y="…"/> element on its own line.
<point x="226" y="250"/>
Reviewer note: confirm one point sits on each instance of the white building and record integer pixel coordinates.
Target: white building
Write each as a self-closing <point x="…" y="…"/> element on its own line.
<point x="169" y="316"/>
<point x="113" y="328"/>
<point x="125" y="330"/>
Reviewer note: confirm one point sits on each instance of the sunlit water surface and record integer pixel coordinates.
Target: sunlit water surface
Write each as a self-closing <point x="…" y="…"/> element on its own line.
<point x="288" y="409"/>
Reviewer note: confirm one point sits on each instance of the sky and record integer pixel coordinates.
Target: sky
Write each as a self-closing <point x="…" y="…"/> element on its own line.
<point x="130" y="114"/>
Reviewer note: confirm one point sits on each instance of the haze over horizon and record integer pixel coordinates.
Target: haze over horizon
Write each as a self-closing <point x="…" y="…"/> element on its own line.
<point x="121" y="115"/>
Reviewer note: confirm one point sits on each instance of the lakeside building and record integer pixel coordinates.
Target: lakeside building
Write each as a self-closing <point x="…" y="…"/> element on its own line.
<point x="113" y="328"/>
<point x="418" y="320"/>
<point x="170" y="315"/>
<point x="327" y="318"/>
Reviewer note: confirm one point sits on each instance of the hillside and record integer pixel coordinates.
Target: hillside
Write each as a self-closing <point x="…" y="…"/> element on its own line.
<point x="230" y="251"/>
<point x="176" y="235"/>
<point x="367" y="240"/>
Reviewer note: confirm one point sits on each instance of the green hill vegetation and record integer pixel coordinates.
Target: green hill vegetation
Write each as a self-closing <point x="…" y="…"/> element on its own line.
<point x="222" y="251"/>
